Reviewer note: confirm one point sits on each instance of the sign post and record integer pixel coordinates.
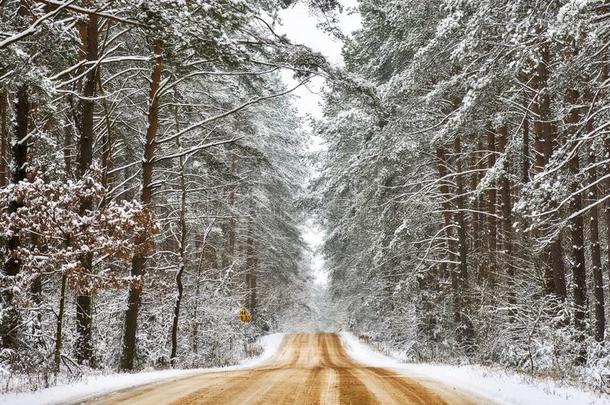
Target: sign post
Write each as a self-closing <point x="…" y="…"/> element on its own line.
<point x="245" y="317"/>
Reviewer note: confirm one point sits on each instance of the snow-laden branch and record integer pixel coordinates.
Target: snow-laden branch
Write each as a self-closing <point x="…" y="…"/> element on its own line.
<point x="214" y="73"/>
<point x="196" y="149"/>
<point x="82" y="10"/>
<point x="32" y="28"/>
<point x="229" y="112"/>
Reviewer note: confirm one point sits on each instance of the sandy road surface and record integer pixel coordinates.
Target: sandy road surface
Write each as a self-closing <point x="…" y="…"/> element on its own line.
<point x="308" y="369"/>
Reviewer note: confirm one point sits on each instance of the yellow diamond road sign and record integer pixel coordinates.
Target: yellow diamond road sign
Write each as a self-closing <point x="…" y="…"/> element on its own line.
<point x="244" y="315"/>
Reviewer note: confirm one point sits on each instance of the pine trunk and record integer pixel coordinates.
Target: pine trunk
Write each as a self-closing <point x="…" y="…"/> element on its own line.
<point x="230" y="253"/>
<point x="492" y="225"/>
<point x="181" y="253"/>
<point x="59" y="325"/>
<point x="89" y="41"/>
<point x="507" y="214"/>
<point x="108" y="140"/>
<point x="554" y="270"/>
<point x="474" y="217"/>
<point x="578" y="268"/>
<point x="480" y="215"/>
<point x="12" y="264"/>
<point x="603" y="77"/>
<point x="251" y="263"/>
<point x="466" y="327"/>
<point x="442" y="167"/>
<point x="607" y="206"/>
<point x="138" y="261"/>
<point x="596" y="261"/>
<point x="4" y="141"/>
<point x="525" y="149"/>
<point x="579" y="280"/>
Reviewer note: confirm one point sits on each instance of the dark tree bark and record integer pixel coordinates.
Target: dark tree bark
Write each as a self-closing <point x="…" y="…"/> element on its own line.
<point x="507" y="214"/>
<point x="603" y="77"/>
<point x="180" y="290"/>
<point x="67" y="149"/>
<point x="607" y="208"/>
<point x="596" y="261"/>
<point x="230" y="251"/>
<point x="474" y="181"/>
<point x="207" y="259"/>
<point x="479" y="216"/>
<point x="525" y="149"/>
<point x="442" y="167"/>
<point x="554" y="270"/>
<point x="4" y="141"/>
<point x="138" y="261"/>
<point x="466" y="327"/>
<point x="181" y="252"/>
<point x="578" y="268"/>
<point x="251" y="263"/>
<point x="492" y="224"/>
<point x="578" y="240"/>
<point x="59" y="325"/>
<point x="12" y="264"/>
<point x="89" y="44"/>
<point x="108" y="140"/>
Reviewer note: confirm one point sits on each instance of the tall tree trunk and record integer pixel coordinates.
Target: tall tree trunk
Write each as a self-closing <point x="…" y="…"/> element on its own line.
<point x="480" y="215"/>
<point x="20" y="146"/>
<point x="442" y="167"/>
<point x="181" y="252"/>
<point x="108" y="140"/>
<point x="578" y="240"/>
<point x="138" y="261"/>
<point x="204" y="258"/>
<point x="507" y="214"/>
<point x="67" y="149"/>
<point x="492" y="224"/>
<point x="607" y="207"/>
<point x="59" y="325"/>
<point x="4" y="141"/>
<point x="12" y="265"/>
<point x="89" y="41"/>
<point x="596" y="261"/>
<point x="251" y="262"/>
<point x="475" y="223"/>
<point x="554" y="271"/>
<point x="467" y="329"/>
<point x="603" y="77"/>
<point x="474" y="181"/>
<point x="230" y="252"/>
<point x="525" y="148"/>
<point x="578" y="268"/>
<point x="36" y="296"/>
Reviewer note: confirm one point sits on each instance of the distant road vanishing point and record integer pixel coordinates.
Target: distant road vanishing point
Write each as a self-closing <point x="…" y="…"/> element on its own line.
<point x="307" y="369"/>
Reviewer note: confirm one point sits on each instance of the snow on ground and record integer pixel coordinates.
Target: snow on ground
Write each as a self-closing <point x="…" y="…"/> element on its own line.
<point x="501" y="387"/>
<point x="95" y="385"/>
<point x="270" y="344"/>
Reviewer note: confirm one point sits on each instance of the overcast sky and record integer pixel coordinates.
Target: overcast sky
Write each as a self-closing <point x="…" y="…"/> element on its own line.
<point x="301" y="27"/>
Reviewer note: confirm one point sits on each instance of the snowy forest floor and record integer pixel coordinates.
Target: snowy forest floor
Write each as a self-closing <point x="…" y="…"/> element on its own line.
<point x="503" y="386"/>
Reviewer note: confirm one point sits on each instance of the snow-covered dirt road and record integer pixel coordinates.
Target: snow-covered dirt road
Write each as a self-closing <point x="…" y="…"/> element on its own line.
<point x="307" y="369"/>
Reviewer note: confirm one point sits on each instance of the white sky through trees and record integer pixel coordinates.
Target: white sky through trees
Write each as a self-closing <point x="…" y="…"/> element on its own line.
<point x="301" y="27"/>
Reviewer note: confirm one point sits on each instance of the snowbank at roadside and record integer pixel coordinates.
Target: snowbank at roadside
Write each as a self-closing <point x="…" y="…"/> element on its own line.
<point x="270" y="344"/>
<point x="501" y="387"/>
<point x="94" y="385"/>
